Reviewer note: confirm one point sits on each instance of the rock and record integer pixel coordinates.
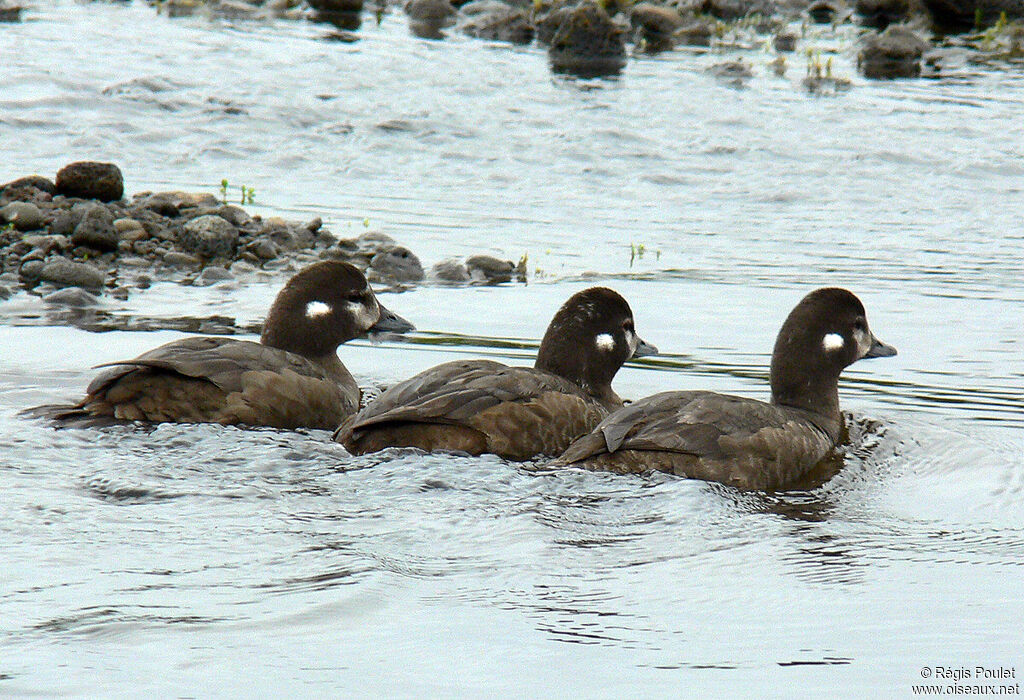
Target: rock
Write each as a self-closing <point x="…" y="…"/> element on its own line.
<point x="175" y="259"/>
<point x="397" y="263"/>
<point x="430" y="11"/>
<point x="96" y="230"/>
<point x="655" y="25"/>
<point x="489" y="270"/>
<point x="26" y="189"/>
<point x="587" y="43"/>
<point x="89" y="180"/>
<point x="696" y="33"/>
<point x="9" y="12"/>
<point x="171" y="204"/>
<point x="143" y="281"/>
<point x="962" y="15"/>
<point x="332" y="6"/>
<point x="126" y="226"/>
<point x="212" y="275"/>
<point x="72" y="296"/>
<point x="733" y="71"/>
<point x="5" y="293"/>
<point x="63" y="272"/>
<point x="234" y="215"/>
<point x="47" y="244"/>
<point x="144" y="248"/>
<point x="209" y="236"/>
<point x="24" y="215"/>
<point x="785" y="41"/>
<point x="264" y="249"/>
<point x="450" y="270"/>
<point x="881" y="13"/>
<point x="823" y="11"/>
<point x="496" y="21"/>
<point x="314" y="225"/>
<point x="64" y="222"/>
<point x="895" y="53"/>
<point x="31" y="269"/>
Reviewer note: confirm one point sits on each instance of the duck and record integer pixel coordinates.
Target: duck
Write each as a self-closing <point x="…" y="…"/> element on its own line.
<point x="743" y="442"/>
<point x="485" y="407"/>
<point x="292" y="378"/>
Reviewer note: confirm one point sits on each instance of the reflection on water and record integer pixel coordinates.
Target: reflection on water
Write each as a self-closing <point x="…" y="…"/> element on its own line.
<point x="177" y="560"/>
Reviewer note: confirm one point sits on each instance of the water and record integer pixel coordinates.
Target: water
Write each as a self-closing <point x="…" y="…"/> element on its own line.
<point x="202" y="560"/>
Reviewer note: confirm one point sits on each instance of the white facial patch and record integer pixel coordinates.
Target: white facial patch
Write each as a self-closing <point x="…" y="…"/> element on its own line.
<point x="863" y="342"/>
<point x="316" y="309"/>
<point x="633" y="341"/>
<point x="363" y="316"/>
<point x="605" y="341"/>
<point x="832" y="341"/>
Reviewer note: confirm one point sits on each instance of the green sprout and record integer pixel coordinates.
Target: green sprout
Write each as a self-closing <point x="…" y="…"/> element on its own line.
<point x="248" y="195"/>
<point x="224" y="191"/>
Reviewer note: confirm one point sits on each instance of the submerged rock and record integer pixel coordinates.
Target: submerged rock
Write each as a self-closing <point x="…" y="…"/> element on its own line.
<point x="587" y="43"/>
<point x="90" y="180"/>
<point x="655" y="25"/>
<point x="496" y="21"/>
<point x="398" y="264"/>
<point x="895" y="53"/>
<point x="75" y="297"/>
<point x="881" y="13"/>
<point x="964" y="15"/>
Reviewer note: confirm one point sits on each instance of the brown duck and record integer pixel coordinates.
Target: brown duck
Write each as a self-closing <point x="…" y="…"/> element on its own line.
<point x="292" y="378"/>
<point x="481" y="406"/>
<point x="743" y="442"/>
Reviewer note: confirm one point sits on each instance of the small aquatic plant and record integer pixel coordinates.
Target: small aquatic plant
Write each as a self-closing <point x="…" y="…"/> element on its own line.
<point x="248" y="195"/>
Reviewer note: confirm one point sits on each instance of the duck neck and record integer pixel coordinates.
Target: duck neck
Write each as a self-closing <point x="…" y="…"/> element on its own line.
<point x="817" y="400"/>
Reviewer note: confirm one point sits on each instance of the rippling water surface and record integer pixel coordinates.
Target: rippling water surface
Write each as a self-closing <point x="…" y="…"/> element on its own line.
<point x="203" y="560"/>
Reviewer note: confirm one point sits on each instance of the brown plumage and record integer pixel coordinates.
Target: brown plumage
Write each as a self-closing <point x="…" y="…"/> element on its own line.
<point x="743" y="442"/>
<point x="292" y="378"/>
<point x="481" y="406"/>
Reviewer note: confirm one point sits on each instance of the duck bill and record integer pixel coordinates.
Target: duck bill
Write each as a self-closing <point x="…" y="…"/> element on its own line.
<point x="390" y="322"/>
<point x="879" y="349"/>
<point x="644" y="349"/>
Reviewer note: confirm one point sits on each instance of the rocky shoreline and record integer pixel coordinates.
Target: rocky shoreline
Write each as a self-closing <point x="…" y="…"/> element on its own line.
<point x="75" y="238"/>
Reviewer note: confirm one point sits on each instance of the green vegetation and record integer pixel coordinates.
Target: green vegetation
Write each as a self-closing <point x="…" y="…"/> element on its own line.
<point x="248" y="193"/>
<point x="637" y="251"/>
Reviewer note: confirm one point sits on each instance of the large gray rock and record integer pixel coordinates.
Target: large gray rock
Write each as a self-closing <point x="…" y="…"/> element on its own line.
<point x="895" y="53"/>
<point x="90" y="180"/>
<point x="96" y="229"/>
<point x="961" y="15"/>
<point x="209" y="236"/>
<point x="65" y="273"/>
<point x="24" y="215"/>
<point x="397" y="263"/>
<point x="587" y="43"/>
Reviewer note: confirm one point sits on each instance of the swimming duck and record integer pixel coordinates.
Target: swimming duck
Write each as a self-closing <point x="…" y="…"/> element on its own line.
<point x="482" y="406"/>
<point x="744" y="442"/>
<point x="291" y="378"/>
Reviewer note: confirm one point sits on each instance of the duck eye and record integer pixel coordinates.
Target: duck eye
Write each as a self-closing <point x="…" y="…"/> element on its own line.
<point x="355" y="298"/>
<point x="859" y="325"/>
<point x="627" y="325"/>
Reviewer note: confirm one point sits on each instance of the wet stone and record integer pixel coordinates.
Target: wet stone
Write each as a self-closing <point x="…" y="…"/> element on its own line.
<point x="24" y="183"/>
<point x="96" y="230"/>
<point x="91" y="180"/>
<point x="450" y="270"/>
<point x="63" y="272"/>
<point x="489" y="270"/>
<point x="64" y="223"/>
<point x="212" y="275"/>
<point x="209" y="236"/>
<point x="397" y="263"/>
<point x="176" y="259"/>
<point x="31" y="269"/>
<point x="24" y="215"/>
<point x="72" y="296"/>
